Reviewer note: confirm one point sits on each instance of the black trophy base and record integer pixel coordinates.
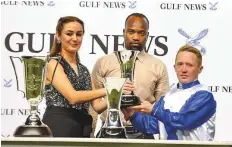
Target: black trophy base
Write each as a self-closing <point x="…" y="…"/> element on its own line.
<point x="129" y="100"/>
<point x="33" y="131"/>
<point x="117" y="132"/>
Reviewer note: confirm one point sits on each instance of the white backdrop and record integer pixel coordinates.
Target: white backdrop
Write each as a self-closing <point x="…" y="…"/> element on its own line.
<point x="26" y="23"/>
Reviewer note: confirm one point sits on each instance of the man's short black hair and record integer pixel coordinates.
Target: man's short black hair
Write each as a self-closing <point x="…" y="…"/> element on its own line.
<point x="137" y="15"/>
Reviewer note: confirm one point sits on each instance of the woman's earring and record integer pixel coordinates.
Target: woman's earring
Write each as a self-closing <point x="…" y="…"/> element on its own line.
<point x="58" y="41"/>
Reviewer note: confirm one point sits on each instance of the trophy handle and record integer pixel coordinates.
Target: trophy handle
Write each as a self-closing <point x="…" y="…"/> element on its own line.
<point x="44" y="77"/>
<point x="58" y="61"/>
<point x="135" y="54"/>
<point x="16" y="75"/>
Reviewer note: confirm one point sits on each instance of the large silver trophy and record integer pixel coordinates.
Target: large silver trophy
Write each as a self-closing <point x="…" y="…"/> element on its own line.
<point x="34" y="80"/>
<point x="113" y="127"/>
<point x="127" y="60"/>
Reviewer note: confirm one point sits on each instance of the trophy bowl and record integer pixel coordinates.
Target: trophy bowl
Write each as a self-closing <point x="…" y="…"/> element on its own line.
<point x="127" y="60"/>
<point x="113" y="127"/>
<point x="34" y="81"/>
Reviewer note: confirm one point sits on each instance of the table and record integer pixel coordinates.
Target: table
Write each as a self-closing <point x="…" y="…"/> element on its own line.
<point x="101" y="142"/>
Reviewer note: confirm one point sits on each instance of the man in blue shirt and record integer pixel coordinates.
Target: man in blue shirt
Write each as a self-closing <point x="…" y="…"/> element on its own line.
<point x="186" y="112"/>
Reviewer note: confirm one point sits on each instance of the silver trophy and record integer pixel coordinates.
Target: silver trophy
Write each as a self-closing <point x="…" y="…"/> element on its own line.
<point x="34" y="80"/>
<point x="113" y="127"/>
<point x="127" y="59"/>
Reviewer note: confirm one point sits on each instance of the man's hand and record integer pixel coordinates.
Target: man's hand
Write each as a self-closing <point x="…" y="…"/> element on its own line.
<point x="128" y="87"/>
<point x="127" y="113"/>
<point x="145" y="107"/>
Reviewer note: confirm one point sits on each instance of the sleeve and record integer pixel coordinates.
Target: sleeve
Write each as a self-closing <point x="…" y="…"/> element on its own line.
<point x="145" y="123"/>
<point x="162" y="85"/>
<point x="197" y="110"/>
<point x="97" y="76"/>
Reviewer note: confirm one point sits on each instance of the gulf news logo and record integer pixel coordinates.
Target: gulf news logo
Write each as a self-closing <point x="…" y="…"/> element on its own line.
<point x="194" y="40"/>
<point x="211" y="6"/>
<point x="108" y="4"/>
<point x="28" y="3"/>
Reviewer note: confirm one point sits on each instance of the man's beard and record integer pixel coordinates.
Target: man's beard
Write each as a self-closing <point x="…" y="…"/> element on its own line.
<point x="135" y="48"/>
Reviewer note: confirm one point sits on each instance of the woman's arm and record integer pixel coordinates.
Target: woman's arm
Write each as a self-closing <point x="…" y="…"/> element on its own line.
<point x="62" y="84"/>
<point x="100" y="104"/>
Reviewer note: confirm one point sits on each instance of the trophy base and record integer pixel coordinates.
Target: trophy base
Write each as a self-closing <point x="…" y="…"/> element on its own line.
<point x="129" y="100"/>
<point x="112" y="132"/>
<point x="33" y="131"/>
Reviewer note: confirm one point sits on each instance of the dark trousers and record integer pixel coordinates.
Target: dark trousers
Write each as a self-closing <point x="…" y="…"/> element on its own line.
<point x="68" y="122"/>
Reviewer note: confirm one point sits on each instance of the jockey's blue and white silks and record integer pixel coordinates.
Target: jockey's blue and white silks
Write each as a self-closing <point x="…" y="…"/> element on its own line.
<point x="187" y="112"/>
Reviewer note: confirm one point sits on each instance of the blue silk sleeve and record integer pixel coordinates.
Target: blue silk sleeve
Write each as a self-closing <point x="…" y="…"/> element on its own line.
<point x="196" y="111"/>
<point x="145" y="123"/>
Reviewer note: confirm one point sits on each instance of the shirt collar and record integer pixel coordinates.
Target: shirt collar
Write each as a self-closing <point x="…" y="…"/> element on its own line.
<point x="188" y="85"/>
<point x="141" y="56"/>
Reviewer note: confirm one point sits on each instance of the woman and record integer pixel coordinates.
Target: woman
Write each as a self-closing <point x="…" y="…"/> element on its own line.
<point x="69" y="89"/>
